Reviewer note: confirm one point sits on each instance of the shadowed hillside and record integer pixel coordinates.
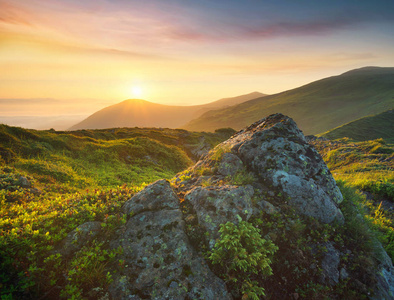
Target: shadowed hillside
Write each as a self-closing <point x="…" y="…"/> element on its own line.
<point x="367" y="128"/>
<point x="141" y="113"/>
<point x="316" y="107"/>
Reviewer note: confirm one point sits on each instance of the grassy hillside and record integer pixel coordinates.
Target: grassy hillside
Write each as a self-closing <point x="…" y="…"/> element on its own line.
<point x="102" y="157"/>
<point x="51" y="182"/>
<point x="87" y="175"/>
<point x="367" y="166"/>
<point x="316" y="107"/>
<point x="367" y="128"/>
<point x="141" y="113"/>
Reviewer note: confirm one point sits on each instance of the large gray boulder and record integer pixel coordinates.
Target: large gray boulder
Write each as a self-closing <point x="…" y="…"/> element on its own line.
<point x="159" y="262"/>
<point x="277" y="152"/>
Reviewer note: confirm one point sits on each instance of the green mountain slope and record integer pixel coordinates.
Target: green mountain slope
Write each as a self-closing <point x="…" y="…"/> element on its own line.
<point x="316" y="107"/>
<point x="141" y="113"/>
<point x="367" y="128"/>
<point x="103" y="157"/>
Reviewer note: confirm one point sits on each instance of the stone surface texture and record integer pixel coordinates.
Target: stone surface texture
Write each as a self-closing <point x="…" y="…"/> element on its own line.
<point x="160" y="263"/>
<point x="277" y="151"/>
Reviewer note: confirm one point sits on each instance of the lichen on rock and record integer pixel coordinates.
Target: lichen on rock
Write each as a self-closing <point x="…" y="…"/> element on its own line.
<point x="159" y="262"/>
<point x="277" y="152"/>
<point x="217" y="205"/>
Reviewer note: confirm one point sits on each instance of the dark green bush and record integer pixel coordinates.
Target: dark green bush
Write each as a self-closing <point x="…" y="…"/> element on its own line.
<point x="242" y="252"/>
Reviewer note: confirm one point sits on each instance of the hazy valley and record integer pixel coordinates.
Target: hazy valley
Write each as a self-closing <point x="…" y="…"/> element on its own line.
<point x="142" y="113"/>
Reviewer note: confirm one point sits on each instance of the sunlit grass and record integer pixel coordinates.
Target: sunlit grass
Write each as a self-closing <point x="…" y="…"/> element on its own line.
<point x="75" y="177"/>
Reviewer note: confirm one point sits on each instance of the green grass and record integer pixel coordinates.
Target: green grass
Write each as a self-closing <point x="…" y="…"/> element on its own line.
<point x="88" y="175"/>
<point x="367" y="128"/>
<point x="315" y="107"/>
<point x="76" y="177"/>
<point x="365" y="166"/>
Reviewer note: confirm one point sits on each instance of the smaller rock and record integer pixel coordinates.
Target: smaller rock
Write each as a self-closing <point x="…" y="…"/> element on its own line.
<point x="35" y="191"/>
<point x="77" y="238"/>
<point x="329" y="265"/>
<point x="156" y="196"/>
<point x="383" y="258"/>
<point x="267" y="207"/>
<point x="343" y="274"/>
<point x="24" y="182"/>
<point x="295" y="296"/>
<point x="384" y="288"/>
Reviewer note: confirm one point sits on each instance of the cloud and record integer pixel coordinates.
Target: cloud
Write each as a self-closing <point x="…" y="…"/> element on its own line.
<point x="136" y="27"/>
<point x="11" y="14"/>
<point x="276" y="29"/>
<point x="31" y="101"/>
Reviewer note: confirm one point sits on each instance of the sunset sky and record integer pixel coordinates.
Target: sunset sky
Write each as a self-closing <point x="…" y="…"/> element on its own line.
<point x="73" y="56"/>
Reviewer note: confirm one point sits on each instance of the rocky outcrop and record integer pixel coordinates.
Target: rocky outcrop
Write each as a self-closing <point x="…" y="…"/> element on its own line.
<point x="277" y="152"/>
<point x="262" y="172"/>
<point x="159" y="262"/>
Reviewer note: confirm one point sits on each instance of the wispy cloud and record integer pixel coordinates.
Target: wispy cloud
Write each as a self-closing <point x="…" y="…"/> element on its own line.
<point x="11" y="14"/>
<point x="23" y="101"/>
<point x="277" y="29"/>
<point x="132" y="27"/>
<point x="99" y="48"/>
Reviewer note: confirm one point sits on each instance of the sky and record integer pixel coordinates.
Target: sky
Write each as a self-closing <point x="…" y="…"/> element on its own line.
<point x="60" y="57"/>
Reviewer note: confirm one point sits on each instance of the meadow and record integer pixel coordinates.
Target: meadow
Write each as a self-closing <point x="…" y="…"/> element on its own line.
<point x="51" y="182"/>
<point x="368" y="168"/>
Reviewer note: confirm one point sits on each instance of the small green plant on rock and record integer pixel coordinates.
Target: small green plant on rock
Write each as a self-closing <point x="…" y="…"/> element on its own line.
<point x="242" y="253"/>
<point x="242" y="177"/>
<point x="217" y="153"/>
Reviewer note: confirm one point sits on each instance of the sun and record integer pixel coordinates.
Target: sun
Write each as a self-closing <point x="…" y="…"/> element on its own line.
<point x="137" y="91"/>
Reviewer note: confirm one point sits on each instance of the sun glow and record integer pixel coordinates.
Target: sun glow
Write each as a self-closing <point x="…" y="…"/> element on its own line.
<point x="137" y="91"/>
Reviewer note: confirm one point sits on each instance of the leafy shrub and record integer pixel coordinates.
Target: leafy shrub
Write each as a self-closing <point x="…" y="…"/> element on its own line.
<point x="226" y="131"/>
<point x="242" y="252"/>
<point x="88" y="270"/>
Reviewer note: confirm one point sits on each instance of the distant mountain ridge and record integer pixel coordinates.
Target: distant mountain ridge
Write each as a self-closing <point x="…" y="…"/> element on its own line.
<point x="367" y="128"/>
<point x="142" y="113"/>
<point x="316" y="107"/>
